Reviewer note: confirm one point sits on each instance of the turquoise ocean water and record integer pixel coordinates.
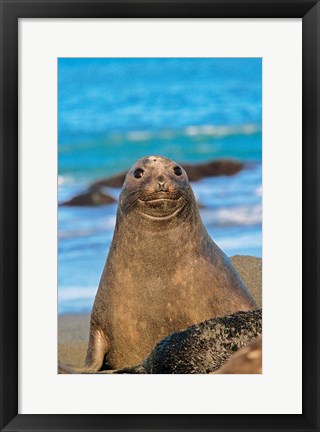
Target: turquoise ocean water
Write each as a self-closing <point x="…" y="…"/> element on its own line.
<point x="111" y="112"/>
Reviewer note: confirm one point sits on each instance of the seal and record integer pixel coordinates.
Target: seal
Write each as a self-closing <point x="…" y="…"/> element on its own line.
<point x="202" y="348"/>
<point x="163" y="272"/>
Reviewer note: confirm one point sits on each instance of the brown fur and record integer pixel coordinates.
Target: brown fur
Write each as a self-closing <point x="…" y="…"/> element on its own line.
<point x="201" y="348"/>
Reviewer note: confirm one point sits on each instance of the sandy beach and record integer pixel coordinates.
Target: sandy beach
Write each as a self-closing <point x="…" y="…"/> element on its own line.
<point x="73" y="330"/>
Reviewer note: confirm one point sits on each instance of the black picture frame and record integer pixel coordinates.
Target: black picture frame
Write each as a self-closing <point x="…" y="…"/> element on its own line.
<point x="11" y="11"/>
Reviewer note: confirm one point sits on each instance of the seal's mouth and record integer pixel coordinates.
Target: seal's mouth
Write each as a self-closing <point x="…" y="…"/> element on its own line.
<point x="159" y="200"/>
<point x="159" y="196"/>
<point x="161" y="205"/>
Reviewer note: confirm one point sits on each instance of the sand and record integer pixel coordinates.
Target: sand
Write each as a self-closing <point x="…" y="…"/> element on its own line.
<point x="73" y="330"/>
<point x="73" y="334"/>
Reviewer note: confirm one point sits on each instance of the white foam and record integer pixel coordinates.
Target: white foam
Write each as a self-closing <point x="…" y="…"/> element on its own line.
<point x="65" y="180"/>
<point x="139" y="136"/>
<point x="105" y="226"/>
<point x="211" y="130"/>
<point x="76" y="293"/>
<point x="259" y="191"/>
<point x="191" y="131"/>
<point x="240" y="215"/>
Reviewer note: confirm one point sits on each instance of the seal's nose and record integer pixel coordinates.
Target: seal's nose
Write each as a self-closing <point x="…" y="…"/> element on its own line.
<point x="161" y="184"/>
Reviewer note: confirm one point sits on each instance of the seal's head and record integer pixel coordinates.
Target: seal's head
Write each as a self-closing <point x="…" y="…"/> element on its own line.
<point x="156" y="188"/>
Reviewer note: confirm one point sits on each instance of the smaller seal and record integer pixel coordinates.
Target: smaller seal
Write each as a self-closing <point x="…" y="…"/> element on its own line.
<point x="202" y="348"/>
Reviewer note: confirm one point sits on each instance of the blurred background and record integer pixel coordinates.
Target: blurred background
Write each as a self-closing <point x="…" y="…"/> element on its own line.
<point x="112" y="112"/>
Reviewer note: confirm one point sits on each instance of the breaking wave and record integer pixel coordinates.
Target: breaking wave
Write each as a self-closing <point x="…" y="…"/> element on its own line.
<point x="193" y="131"/>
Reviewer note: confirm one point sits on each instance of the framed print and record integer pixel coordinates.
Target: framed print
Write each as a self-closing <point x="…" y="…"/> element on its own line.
<point x="143" y="115"/>
<point x="221" y="100"/>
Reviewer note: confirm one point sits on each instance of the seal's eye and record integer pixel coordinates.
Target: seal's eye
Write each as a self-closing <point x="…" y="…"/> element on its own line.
<point x="177" y="170"/>
<point x="138" y="173"/>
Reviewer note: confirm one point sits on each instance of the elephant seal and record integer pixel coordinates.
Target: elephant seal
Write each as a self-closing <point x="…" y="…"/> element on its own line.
<point x="202" y="348"/>
<point x="163" y="272"/>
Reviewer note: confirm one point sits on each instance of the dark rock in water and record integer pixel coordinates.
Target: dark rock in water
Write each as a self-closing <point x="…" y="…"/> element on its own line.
<point x="246" y="361"/>
<point x="195" y="172"/>
<point x="114" y="182"/>
<point x="222" y="167"/>
<point x="95" y="198"/>
<point x="202" y="348"/>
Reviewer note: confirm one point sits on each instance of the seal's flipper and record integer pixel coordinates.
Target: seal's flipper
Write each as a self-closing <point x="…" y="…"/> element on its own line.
<point x="97" y="350"/>
<point x="65" y="369"/>
<point x="131" y="370"/>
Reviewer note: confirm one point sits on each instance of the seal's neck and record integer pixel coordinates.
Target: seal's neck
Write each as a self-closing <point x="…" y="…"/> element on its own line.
<point x="156" y="246"/>
<point x="135" y="221"/>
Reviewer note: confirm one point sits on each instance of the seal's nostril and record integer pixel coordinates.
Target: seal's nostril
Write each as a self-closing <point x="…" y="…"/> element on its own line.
<point x="162" y="186"/>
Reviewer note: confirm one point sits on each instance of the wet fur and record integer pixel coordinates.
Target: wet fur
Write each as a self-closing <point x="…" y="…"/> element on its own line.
<point x="202" y="348"/>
